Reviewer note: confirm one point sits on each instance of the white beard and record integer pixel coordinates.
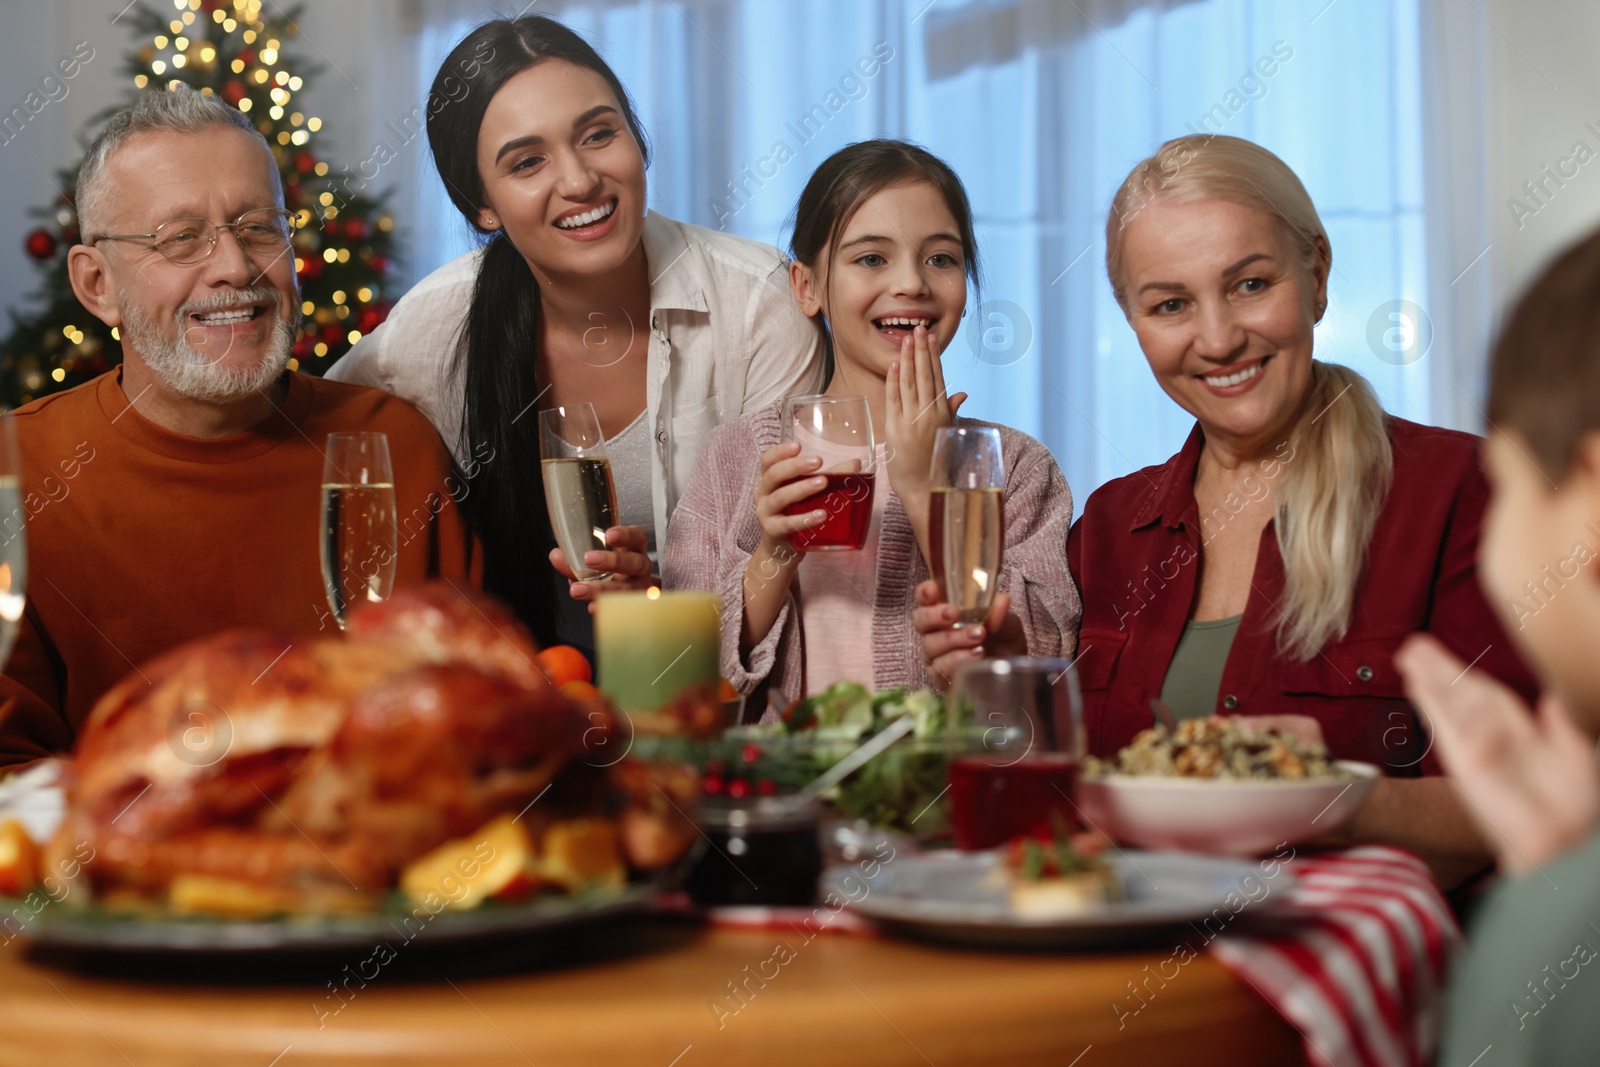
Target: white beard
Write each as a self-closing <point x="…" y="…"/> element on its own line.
<point x="192" y="375"/>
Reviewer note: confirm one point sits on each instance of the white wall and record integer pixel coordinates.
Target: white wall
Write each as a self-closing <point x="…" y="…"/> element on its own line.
<point x="1544" y="66"/>
<point x="36" y="37"/>
<point x="1511" y="88"/>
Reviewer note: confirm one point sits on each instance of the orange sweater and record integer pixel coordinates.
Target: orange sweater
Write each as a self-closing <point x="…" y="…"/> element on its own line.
<point x="140" y="539"/>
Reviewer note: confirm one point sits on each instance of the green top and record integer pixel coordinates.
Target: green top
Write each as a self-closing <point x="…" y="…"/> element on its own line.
<point x="1526" y="989"/>
<point x="1195" y="674"/>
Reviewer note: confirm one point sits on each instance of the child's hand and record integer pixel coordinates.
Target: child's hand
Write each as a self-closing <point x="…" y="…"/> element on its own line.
<point x="1531" y="781"/>
<point x="786" y="479"/>
<point x="946" y="648"/>
<point x="917" y="408"/>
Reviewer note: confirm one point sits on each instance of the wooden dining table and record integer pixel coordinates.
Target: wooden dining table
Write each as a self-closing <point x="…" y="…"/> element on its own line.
<point x="680" y="994"/>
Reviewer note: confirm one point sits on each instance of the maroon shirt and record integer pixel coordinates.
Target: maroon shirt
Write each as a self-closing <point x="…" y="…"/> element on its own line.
<point x="1135" y="554"/>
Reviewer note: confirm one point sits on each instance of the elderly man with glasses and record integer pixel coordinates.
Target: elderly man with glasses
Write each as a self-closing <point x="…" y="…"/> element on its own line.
<point x="179" y="494"/>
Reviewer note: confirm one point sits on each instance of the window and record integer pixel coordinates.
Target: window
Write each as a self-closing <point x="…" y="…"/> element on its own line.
<point x="1042" y="106"/>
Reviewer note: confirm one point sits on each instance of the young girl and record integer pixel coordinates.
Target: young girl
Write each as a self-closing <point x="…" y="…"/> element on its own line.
<point x="883" y="247"/>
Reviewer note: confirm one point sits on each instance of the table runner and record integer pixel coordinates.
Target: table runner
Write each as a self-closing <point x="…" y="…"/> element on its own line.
<point x="1354" y="955"/>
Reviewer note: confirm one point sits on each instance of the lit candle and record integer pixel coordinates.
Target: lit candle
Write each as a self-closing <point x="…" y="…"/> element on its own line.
<point x="652" y="645"/>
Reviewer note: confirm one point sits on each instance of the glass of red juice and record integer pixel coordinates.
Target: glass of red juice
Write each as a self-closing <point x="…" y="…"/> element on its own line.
<point x="838" y="430"/>
<point x="1025" y="719"/>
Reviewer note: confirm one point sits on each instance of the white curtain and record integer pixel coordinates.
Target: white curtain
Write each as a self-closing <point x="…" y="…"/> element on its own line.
<point x="1042" y="106"/>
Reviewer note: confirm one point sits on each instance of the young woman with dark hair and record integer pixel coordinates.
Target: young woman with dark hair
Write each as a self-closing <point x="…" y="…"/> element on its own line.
<point x="579" y="294"/>
<point x="884" y="249"/>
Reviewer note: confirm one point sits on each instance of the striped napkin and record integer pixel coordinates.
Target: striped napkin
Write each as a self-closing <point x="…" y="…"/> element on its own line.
<point x="1354" y="955"/>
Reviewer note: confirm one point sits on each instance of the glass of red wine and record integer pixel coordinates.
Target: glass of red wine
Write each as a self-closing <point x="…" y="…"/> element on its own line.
<point x="1027" y="721"/>
<point x="838" y="429"/>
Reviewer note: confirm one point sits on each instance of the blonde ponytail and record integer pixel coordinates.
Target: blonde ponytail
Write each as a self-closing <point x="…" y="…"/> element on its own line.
<point x="1333" y="487"/>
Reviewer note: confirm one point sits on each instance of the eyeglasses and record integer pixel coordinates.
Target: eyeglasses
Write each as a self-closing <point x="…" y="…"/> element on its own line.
<point x="264" y="231"/>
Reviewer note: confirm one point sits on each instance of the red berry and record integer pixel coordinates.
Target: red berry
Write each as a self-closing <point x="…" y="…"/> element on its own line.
<point x="766" y="787"/>
<point x="750" y="752"/>
<point x="738" y="789"/>
<point x="712" y="783"/>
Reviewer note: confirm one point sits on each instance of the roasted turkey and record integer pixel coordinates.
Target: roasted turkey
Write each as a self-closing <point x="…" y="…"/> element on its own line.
<point x="324" y="765"/>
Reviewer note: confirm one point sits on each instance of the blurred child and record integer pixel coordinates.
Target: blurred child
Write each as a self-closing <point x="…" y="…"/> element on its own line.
<point x="1529" y="986"/>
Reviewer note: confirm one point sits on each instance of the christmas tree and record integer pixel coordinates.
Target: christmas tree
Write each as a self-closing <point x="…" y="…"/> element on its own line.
<point x="342" y="248"/>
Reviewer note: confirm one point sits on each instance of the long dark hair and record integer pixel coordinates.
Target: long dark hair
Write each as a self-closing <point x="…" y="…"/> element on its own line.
<point x="504" y="505"/>
<point x="852" y="176"/>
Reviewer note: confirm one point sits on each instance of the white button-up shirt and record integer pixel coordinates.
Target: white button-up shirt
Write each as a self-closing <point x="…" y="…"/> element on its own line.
<point x="725" y="338"/>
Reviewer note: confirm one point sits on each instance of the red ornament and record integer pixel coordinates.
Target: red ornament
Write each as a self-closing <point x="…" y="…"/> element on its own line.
<point x="304" y="346"/>
<point x="369" y="320"/>
<point x="738" y="789"/>
<point x="305" y="162"/>
<point x="766" y="787"/>
<point x="233" y="92"/>
<point x="750" y="752"/>
<point x="41" y="244"/>
<point x="247" y="56"/>
<point x="356" y="228"/>
<point x="712" y="784"/>
<point x="379" y="263"/>
<point x="311" y="268"/>
<point x="333" y="335"/>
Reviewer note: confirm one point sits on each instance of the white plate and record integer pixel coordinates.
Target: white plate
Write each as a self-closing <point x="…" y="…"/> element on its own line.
<point x="954" y="898"/>
<point x="1225" y="817"/>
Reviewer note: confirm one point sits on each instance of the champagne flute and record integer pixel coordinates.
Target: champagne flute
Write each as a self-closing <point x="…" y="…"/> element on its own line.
<point x="13" y="539"/>
<point x="1020" y="780"/>
<point x="360" y="534"/>
<point x="966" y="519"/>
<point x="578" y="489"/>
<point x="839" y="430"/>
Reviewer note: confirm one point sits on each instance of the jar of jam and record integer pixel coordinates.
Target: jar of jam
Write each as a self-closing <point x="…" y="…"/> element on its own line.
<point x="764" y="850"/>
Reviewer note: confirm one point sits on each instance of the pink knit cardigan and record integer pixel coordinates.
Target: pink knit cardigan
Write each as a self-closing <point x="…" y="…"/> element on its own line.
<point x="714" y="531"/>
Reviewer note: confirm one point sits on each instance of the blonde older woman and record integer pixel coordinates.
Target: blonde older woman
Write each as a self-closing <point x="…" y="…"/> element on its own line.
<point x="1274" y="565"/>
